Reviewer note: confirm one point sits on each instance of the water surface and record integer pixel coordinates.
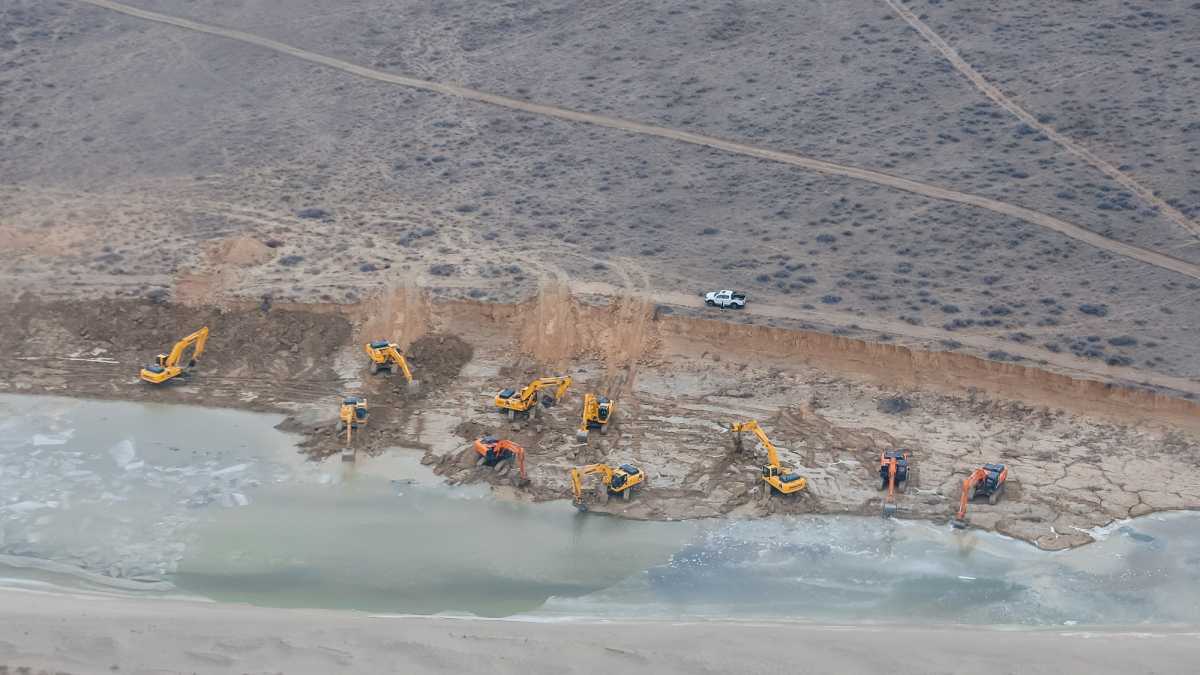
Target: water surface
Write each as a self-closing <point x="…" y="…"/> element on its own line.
<point x="174" y="500"/>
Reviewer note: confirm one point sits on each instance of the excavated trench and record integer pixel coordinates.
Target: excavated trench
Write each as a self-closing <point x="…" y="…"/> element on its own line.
<point x="679" y="376"/>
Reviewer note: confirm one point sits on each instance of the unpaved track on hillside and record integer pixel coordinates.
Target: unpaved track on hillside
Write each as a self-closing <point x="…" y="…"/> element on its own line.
<point x="999" y="98"/>
<point x="895" y="182"/>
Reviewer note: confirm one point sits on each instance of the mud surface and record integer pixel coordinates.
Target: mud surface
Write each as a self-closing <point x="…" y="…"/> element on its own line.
<point x="830" y="407"/>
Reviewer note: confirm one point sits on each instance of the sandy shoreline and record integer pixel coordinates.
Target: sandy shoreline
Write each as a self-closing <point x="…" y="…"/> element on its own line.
<point x="92" y="634"/>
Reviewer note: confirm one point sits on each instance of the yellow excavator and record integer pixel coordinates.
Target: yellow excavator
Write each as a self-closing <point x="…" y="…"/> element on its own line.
<point x="167" y="365"/>
<point x="618" y="481"/>
<point x="385" y="355"/>
<point x="783" y="480"/>
<point x="597" y="413"/>
<point x="353" y="415"/>
<point x="526" y="400"/>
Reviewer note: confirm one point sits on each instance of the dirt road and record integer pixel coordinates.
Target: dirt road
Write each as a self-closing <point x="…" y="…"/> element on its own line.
<point x="1001" y="99"/>
<point x="895" y="182"/>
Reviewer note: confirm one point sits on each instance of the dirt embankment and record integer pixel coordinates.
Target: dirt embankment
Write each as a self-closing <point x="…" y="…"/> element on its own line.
<point x="255" y="357"/>
<point x="625" y="331"/>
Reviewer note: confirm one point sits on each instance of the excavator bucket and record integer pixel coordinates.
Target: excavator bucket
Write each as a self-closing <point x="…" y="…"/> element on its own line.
<point x="889" y="509"/>
<point x="581" y="435"/>
<point x="958" y="523"/>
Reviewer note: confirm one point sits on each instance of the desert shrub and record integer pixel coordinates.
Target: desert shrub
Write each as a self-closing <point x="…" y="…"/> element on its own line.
<point x="291" y="260"/>
<point x="893" y="405"/>
<point x="951" y="344"/>
<point x="831" y="299"/>
<point x="312" y="213"/>
<point x="443" y="270"/>
<point x="999" y="355"/>
<point x="1094" y="310"/>
<point x="709" y="231"/>
<point x="1119" y="361"/>
<point x="951" y="309"/>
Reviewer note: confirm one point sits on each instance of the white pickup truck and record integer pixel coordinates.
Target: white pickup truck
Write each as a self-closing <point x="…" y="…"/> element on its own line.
<point x="725" y="299"/>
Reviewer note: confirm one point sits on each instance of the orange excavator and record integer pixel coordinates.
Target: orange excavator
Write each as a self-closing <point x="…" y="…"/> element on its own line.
<point x="986" y="481"/>
<point x="500" y="455"/>
<point x="893" y="475"/>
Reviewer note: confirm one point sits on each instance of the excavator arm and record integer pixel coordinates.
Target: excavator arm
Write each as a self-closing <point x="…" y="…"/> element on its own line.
<point x="199" y="339"/>
<point x="560" y="384"/>
<point x="752" y="426"/>
<point x="991" y="477"/>
<point x="591" y="411"/>
<point x="395" y="355"/>
<point x="517" y="451"/>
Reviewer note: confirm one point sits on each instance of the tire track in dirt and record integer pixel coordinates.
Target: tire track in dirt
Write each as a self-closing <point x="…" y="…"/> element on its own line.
<point x="887" y="180"/>
<point x="999" y="98"/>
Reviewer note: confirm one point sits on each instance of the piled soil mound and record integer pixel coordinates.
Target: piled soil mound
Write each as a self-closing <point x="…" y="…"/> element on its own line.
<point x="438" y="357"/>
<point x="241" y="251"/>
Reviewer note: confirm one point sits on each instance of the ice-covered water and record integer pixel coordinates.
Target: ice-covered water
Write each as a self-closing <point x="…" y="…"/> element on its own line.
<point x="113" y="488"/>
<point x="216" y="503"/>
<point x="862" y="569"/>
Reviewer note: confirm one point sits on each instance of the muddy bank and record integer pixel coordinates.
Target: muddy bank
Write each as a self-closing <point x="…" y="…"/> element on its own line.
<point x="1082" y="453"/>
